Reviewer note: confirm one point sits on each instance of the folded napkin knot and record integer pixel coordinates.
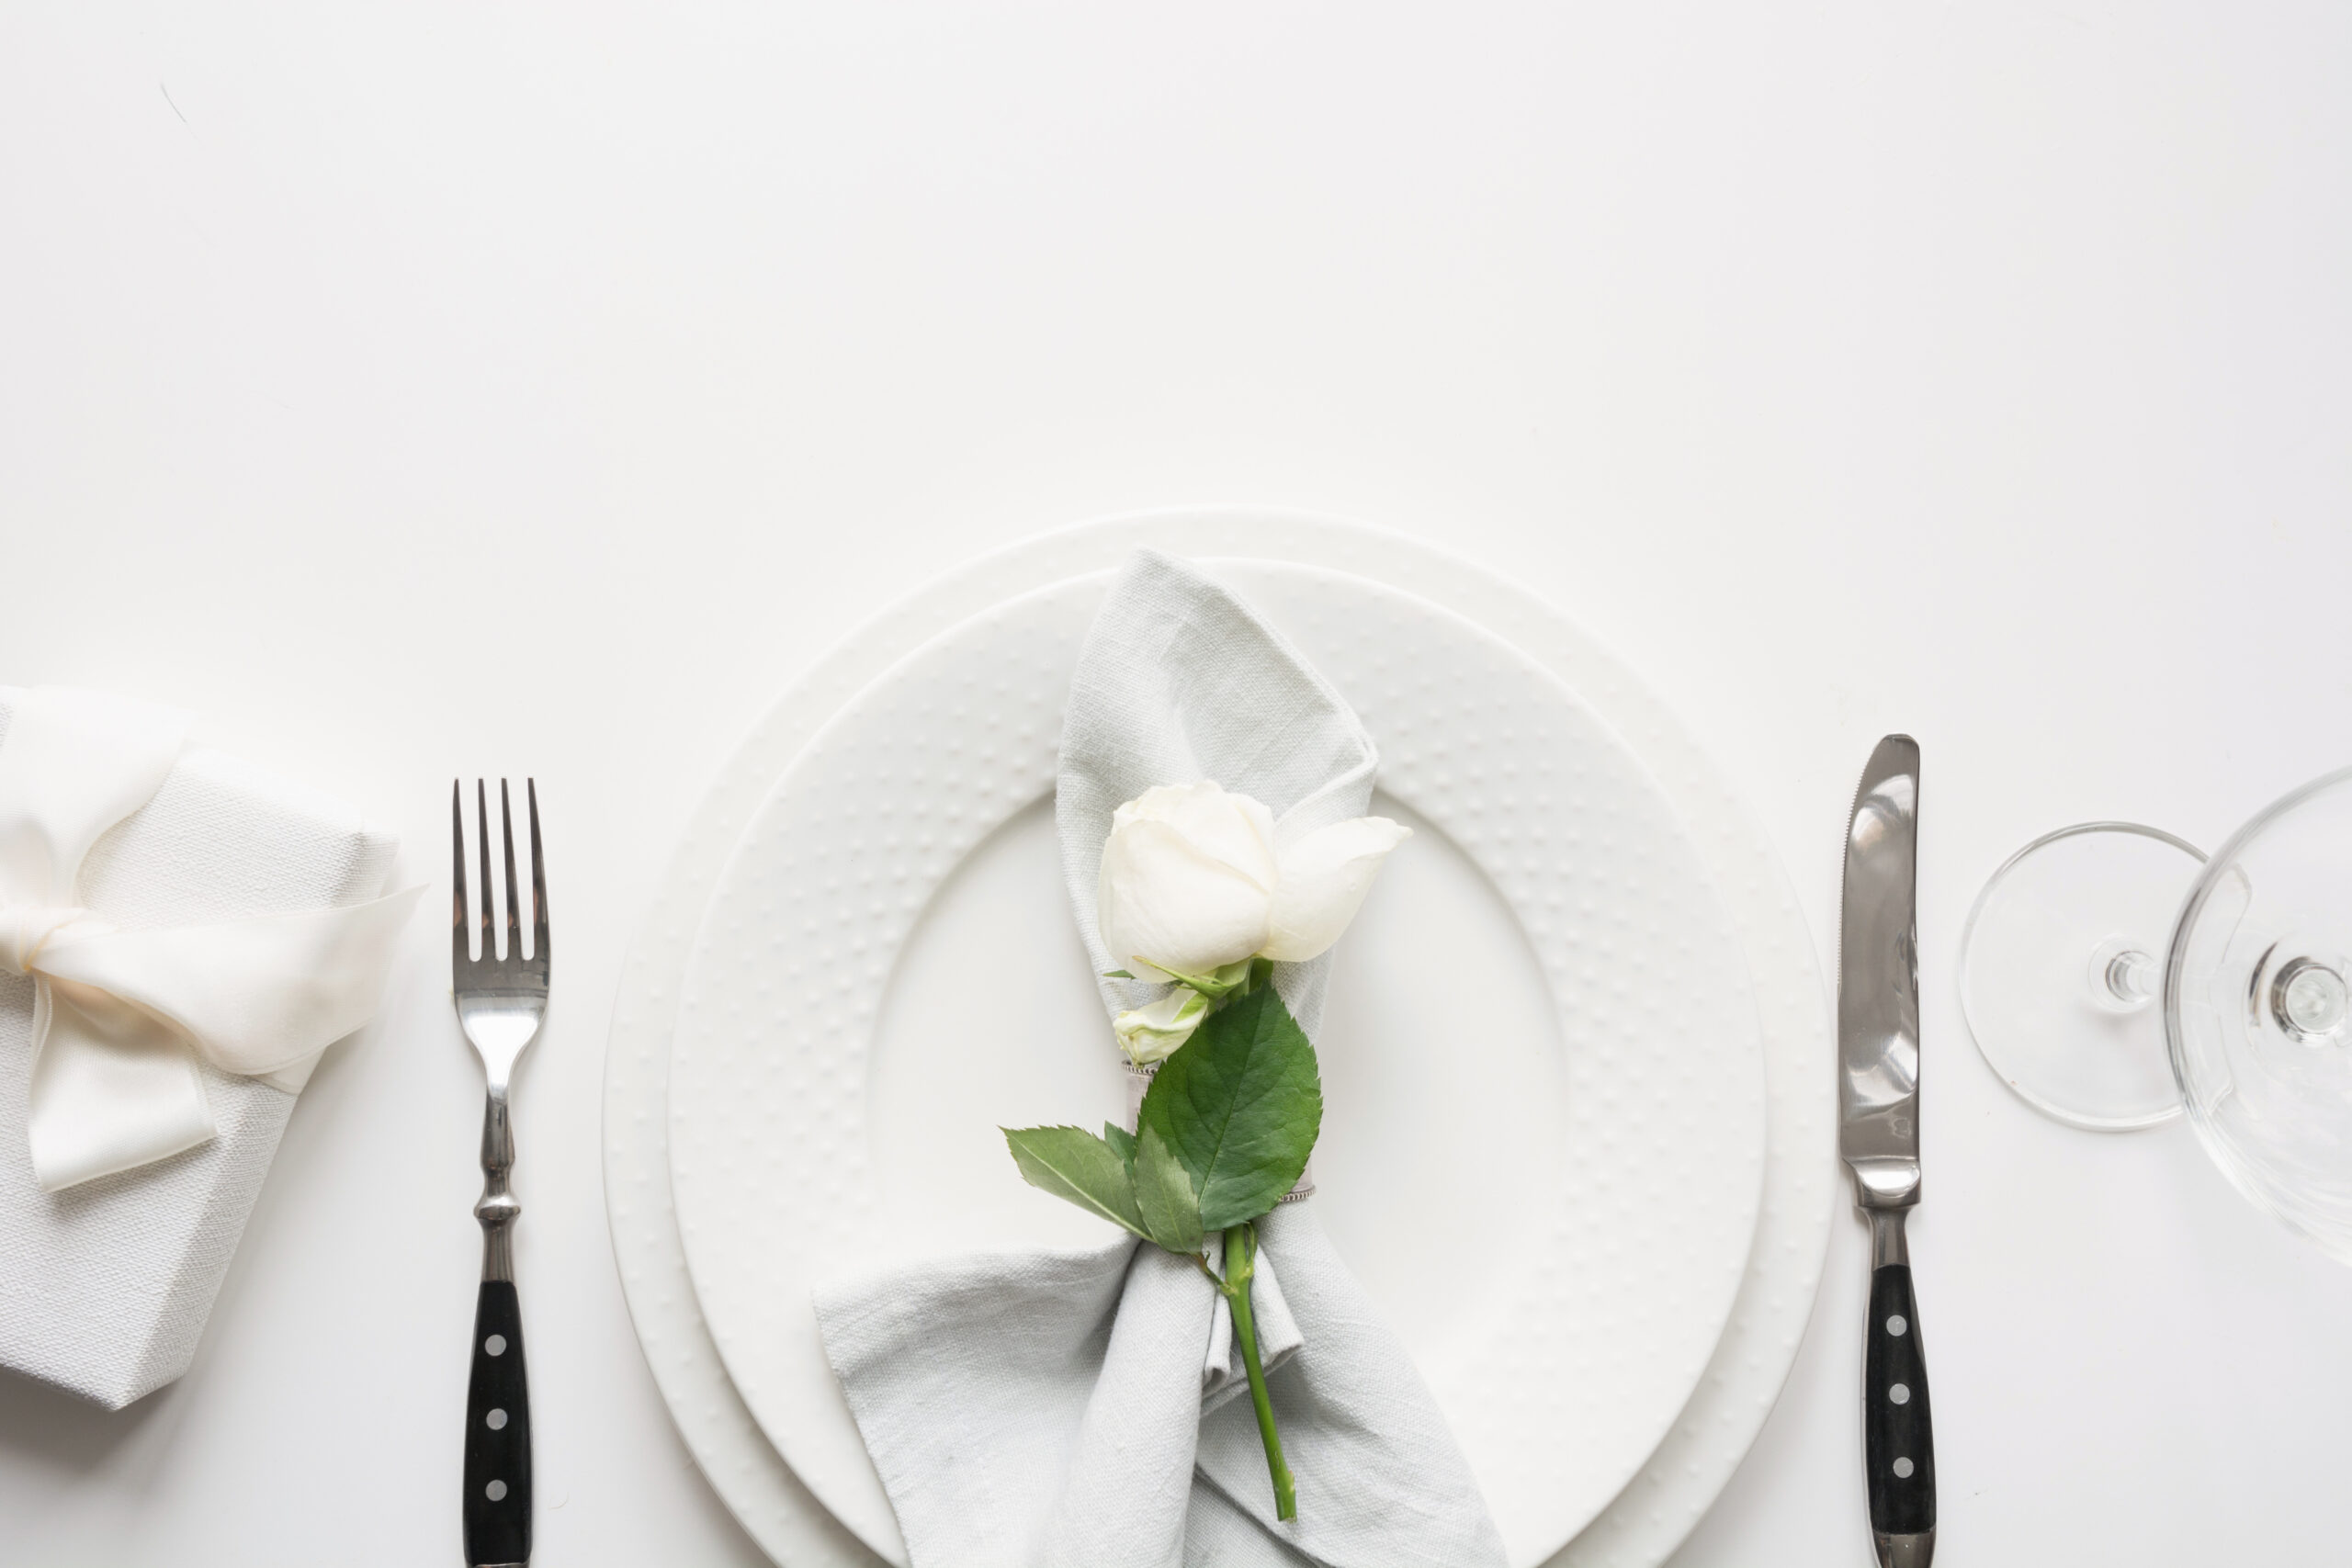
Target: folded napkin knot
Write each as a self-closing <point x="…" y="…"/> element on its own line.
<point x="26" y="928"/>
<point x="121" y="1019"/>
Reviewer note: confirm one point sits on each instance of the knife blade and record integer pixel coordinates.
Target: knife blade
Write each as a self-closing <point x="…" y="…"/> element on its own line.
<point x="1878" y="1137"/>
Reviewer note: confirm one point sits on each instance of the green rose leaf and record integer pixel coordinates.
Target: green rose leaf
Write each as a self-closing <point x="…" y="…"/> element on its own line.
<point x="1239" y="1105"/>
<point x="1072" y="1162"/>
<point x="1171" y="1211"/>
<point x="1120" y="1139"/>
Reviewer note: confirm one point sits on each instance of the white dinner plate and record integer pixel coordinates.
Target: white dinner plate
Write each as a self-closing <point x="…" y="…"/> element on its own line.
<point x="1682" y="1476"/>
<point x="1542" y="1008"/>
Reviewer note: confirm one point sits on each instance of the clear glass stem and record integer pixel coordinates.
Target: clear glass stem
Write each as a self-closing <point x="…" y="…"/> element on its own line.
<point x="2131" y="977"/>
<point x="2311" y="1002"/>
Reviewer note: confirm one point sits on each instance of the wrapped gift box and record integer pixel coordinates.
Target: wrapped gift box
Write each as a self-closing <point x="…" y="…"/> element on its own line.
<point x="105" y="1286"/>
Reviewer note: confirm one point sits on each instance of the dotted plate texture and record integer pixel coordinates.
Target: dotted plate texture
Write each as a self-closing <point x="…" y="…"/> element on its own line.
<point x="1642" y="1521"/>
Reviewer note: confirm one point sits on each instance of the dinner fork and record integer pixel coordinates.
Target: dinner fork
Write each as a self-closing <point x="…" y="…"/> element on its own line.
<point x="500" y="1003"/>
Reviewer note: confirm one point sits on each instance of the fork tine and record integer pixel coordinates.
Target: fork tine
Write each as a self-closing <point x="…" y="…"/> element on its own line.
<point x="539" y="884"/>
<point x="513" y="894"/>
<point x="482" y="837"/>
<point x="461" y="952"/>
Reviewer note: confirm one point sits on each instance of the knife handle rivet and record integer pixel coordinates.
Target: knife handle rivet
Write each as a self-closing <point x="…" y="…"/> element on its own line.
<point x="1897" y="1327"/>
<point x="1903" y="1469"/>
<point x="1900" y="1393"/>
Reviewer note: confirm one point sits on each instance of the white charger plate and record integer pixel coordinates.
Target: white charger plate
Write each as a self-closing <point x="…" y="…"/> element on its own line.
<point x="1682" y="1478"/>
<point x="1543" y="1006"/>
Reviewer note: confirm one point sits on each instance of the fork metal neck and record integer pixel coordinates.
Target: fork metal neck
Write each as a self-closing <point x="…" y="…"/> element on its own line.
<point x="498" y="1207"/>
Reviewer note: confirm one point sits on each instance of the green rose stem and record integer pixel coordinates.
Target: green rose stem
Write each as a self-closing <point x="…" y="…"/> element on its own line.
<point x="1240" y="1263"/>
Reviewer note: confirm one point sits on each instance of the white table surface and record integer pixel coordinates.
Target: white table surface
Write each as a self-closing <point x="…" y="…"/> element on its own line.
<point x="535" y="388"/>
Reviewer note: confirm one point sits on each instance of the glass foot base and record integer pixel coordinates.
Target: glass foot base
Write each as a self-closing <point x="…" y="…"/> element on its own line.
<point x="2061" y="973"/>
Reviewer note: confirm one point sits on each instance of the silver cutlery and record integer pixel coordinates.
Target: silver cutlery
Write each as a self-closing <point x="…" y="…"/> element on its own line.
<point x="501" y="1000"/>
<point x="1878" y="1136"/>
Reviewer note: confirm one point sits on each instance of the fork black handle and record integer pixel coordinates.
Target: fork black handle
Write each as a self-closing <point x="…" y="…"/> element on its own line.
<point x="498" y="1395"/>
<point x="498" y="1434"/>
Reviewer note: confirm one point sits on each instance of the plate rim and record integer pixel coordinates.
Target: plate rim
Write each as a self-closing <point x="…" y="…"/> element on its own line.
<point x="1774" y="1300"/>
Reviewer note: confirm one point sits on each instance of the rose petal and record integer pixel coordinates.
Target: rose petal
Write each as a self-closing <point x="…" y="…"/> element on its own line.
<point x="1324" y="879"/>
<point x="1234" y="828"/>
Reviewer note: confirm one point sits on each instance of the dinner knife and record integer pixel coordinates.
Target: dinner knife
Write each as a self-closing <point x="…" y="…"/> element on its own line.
<point x="1878" y="1136"/>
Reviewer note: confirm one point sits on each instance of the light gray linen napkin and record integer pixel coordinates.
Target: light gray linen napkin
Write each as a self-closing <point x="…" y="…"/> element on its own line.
<point x="1077" y="1409"/>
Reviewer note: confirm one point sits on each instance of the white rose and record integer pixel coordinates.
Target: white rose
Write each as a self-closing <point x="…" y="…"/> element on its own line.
<point x="1188" y="879"/>
<point x="1192" y="882"/>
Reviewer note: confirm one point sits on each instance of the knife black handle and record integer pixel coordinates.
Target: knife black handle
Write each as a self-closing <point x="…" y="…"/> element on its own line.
<point x="498" y="1434"/>
<point x="1899" y="1447"/>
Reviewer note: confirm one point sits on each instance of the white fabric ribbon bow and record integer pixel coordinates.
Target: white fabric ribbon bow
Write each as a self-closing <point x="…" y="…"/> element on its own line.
<point x="120" y="1017"/>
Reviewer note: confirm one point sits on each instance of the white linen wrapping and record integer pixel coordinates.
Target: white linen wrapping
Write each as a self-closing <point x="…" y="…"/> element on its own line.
<point x="1059" y="1408"/>
<point x="105" y="1283"/>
